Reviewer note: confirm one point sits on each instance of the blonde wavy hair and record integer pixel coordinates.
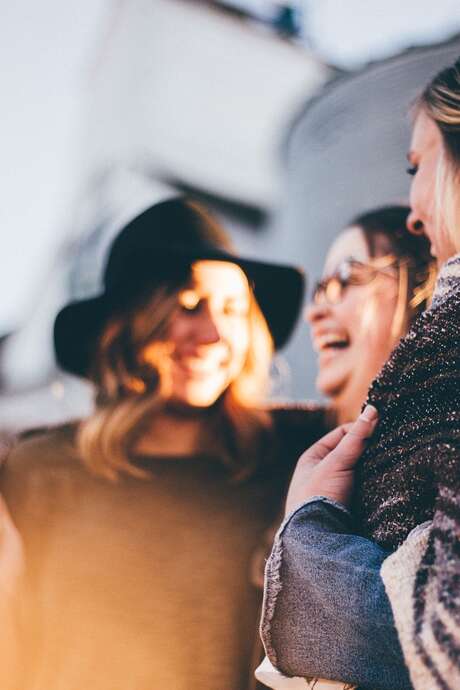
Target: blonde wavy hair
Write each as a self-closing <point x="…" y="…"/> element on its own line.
<point x="440" y="101"/>
<point x="130" y="390"/>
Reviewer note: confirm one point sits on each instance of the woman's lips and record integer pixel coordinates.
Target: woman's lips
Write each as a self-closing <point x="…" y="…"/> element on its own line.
<point x="326" y="342"/>
<point x="329" y="355"/>
<point x="329" y="345"/>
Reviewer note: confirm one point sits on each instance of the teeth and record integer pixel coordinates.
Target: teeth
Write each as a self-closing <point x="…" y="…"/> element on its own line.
<point x="328" y="339"/>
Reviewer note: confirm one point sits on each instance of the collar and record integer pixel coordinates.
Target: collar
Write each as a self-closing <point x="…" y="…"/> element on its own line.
<point x="447" y="282"/>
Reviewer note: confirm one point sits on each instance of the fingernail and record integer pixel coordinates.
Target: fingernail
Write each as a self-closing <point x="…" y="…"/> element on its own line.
<point x="369" y="413"/>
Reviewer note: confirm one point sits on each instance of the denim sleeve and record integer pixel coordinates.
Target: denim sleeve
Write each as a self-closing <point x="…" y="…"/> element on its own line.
<point x="325" y="612"/>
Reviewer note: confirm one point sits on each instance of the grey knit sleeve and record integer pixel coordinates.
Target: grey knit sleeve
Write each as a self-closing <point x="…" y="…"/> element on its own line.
<point x="422" y="579"/>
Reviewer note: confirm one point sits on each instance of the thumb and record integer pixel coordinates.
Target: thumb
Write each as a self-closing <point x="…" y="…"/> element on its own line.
<point x="353" y="443"/>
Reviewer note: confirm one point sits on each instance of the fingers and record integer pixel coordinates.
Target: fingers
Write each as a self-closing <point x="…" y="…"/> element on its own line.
<point x="365" y="424"/>
<point x="349" y="449"/>
<point x="325" y="445"/>
<point x="326" y="469"/>
<point x="347" y="439"/>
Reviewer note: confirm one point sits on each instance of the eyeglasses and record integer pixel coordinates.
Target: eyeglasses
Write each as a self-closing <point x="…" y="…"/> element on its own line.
<point x="331" y="290"/>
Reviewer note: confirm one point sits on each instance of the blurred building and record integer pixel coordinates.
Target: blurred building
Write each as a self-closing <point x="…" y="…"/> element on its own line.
<point x="181" y="96"/>
<point x="346" y="153"/>
<point x="215" y="100"/>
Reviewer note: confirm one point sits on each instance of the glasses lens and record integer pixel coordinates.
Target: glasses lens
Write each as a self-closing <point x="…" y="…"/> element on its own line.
<point x="334" y="290"/>
<point x="361" y="274"/>
<point x="328" y="290"/>
<point x="350" y="272"/>
<point x="318" y="293"/>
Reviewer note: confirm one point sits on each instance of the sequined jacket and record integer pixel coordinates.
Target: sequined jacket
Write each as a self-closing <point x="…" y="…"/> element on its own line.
<point x="414" y="454"/>
<point x="411" y="474"/>
<point x="325" y="611"/>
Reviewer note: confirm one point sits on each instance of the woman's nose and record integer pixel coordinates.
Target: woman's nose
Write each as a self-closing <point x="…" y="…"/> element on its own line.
<point x="206" y="328"/>
<point x="414" y="224"/>
<point x="316" y="311"/>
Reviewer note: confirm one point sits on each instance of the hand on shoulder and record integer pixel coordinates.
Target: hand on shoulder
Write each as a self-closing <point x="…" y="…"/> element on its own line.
<point x="327" y="467"/>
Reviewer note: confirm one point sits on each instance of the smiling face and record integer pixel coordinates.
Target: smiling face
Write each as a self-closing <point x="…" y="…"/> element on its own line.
<point x="208" y="334"/>
<point x="353" y="336"/>
<point x="424" y="157"/>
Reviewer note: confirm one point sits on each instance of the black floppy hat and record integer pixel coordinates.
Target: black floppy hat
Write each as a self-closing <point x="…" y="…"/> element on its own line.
<point x="156" y="245"/>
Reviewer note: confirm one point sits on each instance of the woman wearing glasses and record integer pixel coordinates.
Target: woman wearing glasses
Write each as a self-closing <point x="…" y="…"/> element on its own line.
<point x="404" y="528"/>
<point x="377" y="278"/>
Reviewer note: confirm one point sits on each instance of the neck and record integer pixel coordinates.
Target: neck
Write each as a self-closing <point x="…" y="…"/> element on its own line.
<point x="348" y="404"/>
<point x="448" y="281"/>
<point x="173" y="431"/>
<point x="346" y="413"/>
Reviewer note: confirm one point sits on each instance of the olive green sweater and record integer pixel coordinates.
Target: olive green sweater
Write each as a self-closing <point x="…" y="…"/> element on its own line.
<point x="139" y="584"/>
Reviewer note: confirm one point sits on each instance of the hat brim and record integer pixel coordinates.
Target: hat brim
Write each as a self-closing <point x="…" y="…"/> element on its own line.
<point x="278" y="289"/>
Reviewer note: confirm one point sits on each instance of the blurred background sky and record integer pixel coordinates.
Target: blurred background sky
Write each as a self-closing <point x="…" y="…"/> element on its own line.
<point x="50" y="51"/>
<point x="107" y="103"/>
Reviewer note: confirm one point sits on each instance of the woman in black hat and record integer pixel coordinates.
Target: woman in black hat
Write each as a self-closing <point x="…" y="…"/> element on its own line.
<point x="140" y="522"/>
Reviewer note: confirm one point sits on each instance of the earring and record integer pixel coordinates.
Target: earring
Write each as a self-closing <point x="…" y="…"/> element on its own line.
<point x="417" y="228"/>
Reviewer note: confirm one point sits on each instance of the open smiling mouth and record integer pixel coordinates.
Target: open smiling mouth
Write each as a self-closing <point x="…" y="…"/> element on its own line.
<point x="330" y="342"/>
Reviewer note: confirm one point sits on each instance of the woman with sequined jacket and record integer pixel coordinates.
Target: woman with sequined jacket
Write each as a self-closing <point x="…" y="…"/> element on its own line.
<point x="341" y="554"/>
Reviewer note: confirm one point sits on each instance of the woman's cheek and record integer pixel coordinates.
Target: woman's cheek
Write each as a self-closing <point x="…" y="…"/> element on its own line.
<point x="236" y="337"/>
<point x="384" y="329"/>
<point x="360" y="315"/>
<point x="369" y="317"/>
<point x="374" y="322"/>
